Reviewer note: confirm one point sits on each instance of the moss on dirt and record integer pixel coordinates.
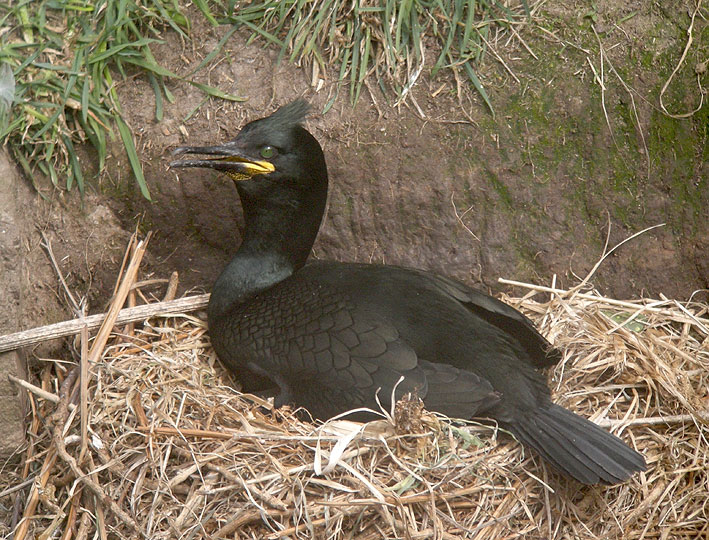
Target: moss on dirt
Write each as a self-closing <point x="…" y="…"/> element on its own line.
<point x="606" y="148"/>
<point x="501" y="189"/>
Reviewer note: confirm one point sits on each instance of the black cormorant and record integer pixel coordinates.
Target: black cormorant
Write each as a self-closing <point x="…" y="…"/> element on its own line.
<point x="332" y="335"/>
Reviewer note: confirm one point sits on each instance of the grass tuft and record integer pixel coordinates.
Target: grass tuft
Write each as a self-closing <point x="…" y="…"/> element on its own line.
<point x="383" y="38"/>
<point x="64" y="55"/>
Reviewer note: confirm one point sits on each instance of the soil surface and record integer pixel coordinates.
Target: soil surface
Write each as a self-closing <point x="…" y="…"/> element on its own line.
<point x="565" y="165"/>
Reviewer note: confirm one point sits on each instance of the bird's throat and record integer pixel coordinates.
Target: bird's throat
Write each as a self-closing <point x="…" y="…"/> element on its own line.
<point x="277" y="241"/>
<point x="244" y="277"/>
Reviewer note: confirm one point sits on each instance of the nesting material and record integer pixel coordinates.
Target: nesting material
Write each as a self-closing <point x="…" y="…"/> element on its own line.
<point x="171" y="450"/>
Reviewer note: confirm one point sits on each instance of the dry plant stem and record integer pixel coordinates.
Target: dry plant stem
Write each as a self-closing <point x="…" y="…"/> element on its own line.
<point x="230" y="434"/>
<point x="257" y="493"/>
<point x="61" y="414"/>
<point x="271" y="501"/>
<point x="407" y="499"/>
<point x="197" y="498"/>
<point x="139" y="411"/>
<point x="260" y="495"/>
<point x="36" y="390"/>
<point x="185" y="432"/>
<point x="600" y="79"/>
<point x="40" y="483"/>
<point x="500" y="59"/>
<point x="460" y="217"/>
<point x="632" y="101"/>
<point x="655" y="420"/>
<point x="84" y="392"/>
<point x="48" y="247"/>
<point x="524" y="44"/>
<point x="101" y="522"/>
<point x="619" y="303"/>
<point x="71" y="518"/>
<point x="130" y="327"/>
<point x="690" y="39"/>
<point x="244" y="518"/>
<point x="62" y="409"/>
<point x="82" y="533"/>
<point x="59" y="418"/>
<point x="312" y="523"/>
<point x="17" y="487"/>
<point x="29" y="456"/>
<point x="607" y="252"/>
<point x="69" y="328"/>
<point x="124" y="262"/>
<point x="172" y="284"/>
<point x="119" y="300"/>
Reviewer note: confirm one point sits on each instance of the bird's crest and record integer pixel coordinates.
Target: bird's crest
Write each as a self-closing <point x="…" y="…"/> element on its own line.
<point x="291" y="114"/>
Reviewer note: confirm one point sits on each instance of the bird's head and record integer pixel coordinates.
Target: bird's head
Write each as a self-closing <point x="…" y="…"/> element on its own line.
<point x="271" y="151"/>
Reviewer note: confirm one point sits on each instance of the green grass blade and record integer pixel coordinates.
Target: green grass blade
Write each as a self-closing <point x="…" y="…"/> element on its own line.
<point x="150" y="66"/>
<point x="468" y="29"/>
<point x="363" y="64"/>
<point x="168" y="95"/>
<point x="263" y="33"/>
<point x="129" y="145"/>
<point x="98" y="139"/>
<point x="157" y="92"/>
<point x="85" y="93"/>
<point x="204" y="8"/>
<point x="49" y="123"/>
<point x="216" y="51"/>
<point x="131" y="47"/>
<point x="215" y="92"/>
<point x="478" y="86"/>
<point x="75" y="168"/>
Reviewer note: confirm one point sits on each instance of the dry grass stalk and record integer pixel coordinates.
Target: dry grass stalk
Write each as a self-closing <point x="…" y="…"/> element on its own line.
<point x="175" y="452"/>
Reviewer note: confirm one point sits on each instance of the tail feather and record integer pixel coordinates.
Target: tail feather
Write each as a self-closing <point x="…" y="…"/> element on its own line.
<point x="556" y="451"/>
<point x="620" y="456"/>
<point x="578" y="447"/>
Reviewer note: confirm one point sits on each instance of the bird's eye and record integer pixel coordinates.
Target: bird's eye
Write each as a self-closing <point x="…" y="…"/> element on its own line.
<point x="268" y="152"/>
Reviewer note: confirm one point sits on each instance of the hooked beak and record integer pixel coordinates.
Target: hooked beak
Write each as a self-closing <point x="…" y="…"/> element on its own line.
<point x="228" y="159"/>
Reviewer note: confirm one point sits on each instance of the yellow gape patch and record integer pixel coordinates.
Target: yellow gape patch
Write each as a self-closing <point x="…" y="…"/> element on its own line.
<point x="250" y="168"/>
<point x="238" y="176"/>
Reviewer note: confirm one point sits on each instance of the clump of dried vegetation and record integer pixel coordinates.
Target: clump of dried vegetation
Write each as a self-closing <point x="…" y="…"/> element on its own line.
<point x="156" y="443"/>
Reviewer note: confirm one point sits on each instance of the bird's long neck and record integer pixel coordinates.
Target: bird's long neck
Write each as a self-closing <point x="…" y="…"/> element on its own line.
<point x="279" y="234"/>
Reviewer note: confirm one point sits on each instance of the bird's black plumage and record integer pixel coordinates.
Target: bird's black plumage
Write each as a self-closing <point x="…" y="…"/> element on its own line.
<point x="330" y="334"/>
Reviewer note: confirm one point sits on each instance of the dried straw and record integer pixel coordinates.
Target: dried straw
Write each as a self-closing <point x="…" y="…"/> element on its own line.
<point x="175" y="452"/>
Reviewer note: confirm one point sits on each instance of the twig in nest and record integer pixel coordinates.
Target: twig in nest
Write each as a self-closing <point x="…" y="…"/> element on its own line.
<point x="31" y="505"/>
<point x="610" y="301"/>
<point x="654" y="420"/>
<point x="244" y="518"/>
<point x="185" y="432"/>
<point x="171" y="290"/>
<point x="262" y="496"/>
<point x="58" y="419"/>
<point x="37" y="390"/>
<point x="18" y="487"/>
<point x="63" y="410"/>
<point x="69" y="328"/>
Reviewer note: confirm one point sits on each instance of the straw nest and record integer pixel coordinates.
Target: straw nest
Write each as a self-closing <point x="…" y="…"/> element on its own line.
<point x="164" y="447"/>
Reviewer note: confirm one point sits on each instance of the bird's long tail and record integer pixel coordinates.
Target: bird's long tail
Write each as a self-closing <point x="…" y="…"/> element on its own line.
<point x="578" y="447"/>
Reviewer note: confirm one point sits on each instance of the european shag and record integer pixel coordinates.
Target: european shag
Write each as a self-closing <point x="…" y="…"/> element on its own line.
<point x="331" y="335"/>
